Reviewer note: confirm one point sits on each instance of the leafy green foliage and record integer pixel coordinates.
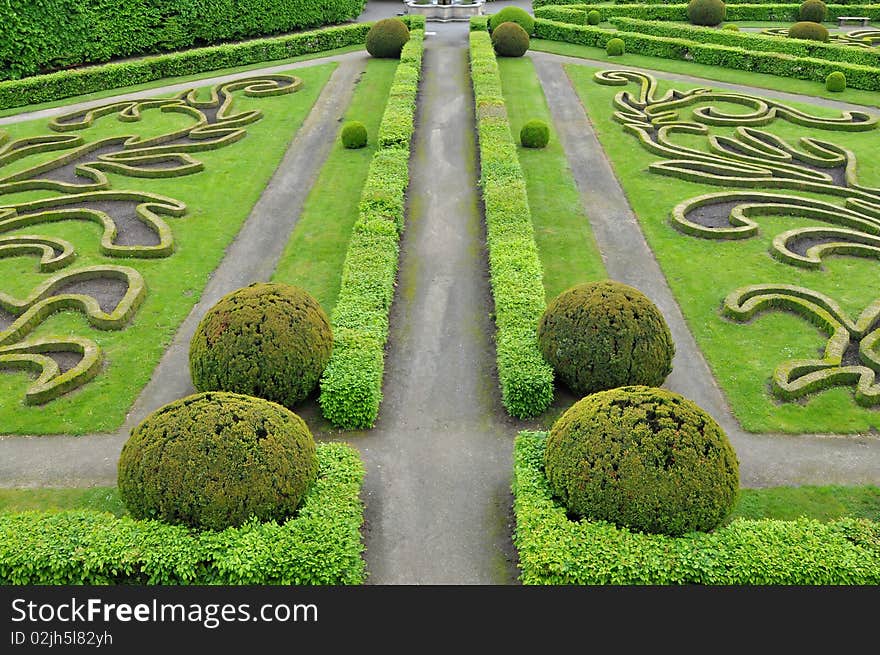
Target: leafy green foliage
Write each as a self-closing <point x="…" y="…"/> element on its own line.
<point x="553" y="549"/>
<point x="594" y="17"/>
<point x="706" y="12"/>
<point x="808" y="31"/>
<point x="321" y="544"/>
<point x="512" y="15"/>
<point x="510" y="40"/>
<point x="534" y="134"/>
<point x="605" y="334"/>
<point x="835" y="81"/>
<point x="644" y="458"/>
<point x="354" y="135"/>
<point x="351" y="387"/>
<point x="267" y="340"/>
<point x="730" y="27"/>
<point x="514" y="266"/>
<point x="387" y="37"/>
<point x="615" y="47"/>
<point x="814" y="11"/>
<point x="214" y="460"/>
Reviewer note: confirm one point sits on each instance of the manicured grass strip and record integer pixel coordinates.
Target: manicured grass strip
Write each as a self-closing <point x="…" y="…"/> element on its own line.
<point x="553" y="549"/>
<point x="97" y="499"/>
<point x="774" y="63"/>
<point x="351" y="387"/>
<point x="568" y="250"/>
<point x="321" y="544"/>
<point x="514" y="266"/>
<point x="826" y="503"/>
<point x="63" y="84"/>
<point x="315" y="253"/>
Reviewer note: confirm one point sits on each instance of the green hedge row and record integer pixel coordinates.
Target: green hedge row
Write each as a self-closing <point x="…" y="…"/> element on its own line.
<point x="771" y="63"/>
<point x="515" y="268"/>
<point x="65" y="84"/>
<point x="320" y="545"/>
<point x="576" y="13"/>
<point x="351" y="387"/>
<point x="553" y="549"/>
<point x="536" y="4"/>
<point x="751" y="41"/>
<point x="53" y="34"/>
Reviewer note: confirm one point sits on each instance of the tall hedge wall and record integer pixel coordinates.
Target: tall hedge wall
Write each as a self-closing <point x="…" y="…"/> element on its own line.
<point x="52" y="34"/>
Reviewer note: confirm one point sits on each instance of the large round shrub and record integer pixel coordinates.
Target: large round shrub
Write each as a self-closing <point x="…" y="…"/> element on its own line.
<point x="534" y="134"/>
<point x="809" y="31"/>
<point x="354" y="135"/>
<point x="387" y="37"/>
<point x="814" y="11"/>
<point x="835" y="82"/>
<point x="644" y="458"/>
<point x="213" y="460"/>
<point x="512" y="15"/>
<point x="706" y="12"/>
<point x="266" y="340"/>
<point x="615" y="47"/>
<point x="603" y="335"/>
<point x="594" y="17"/>
<point x="510" y="40"/>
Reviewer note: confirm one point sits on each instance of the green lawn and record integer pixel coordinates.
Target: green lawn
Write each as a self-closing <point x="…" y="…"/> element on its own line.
<point x="709" y="73"/>
<point x="316" y="250"/>
<point x="568" y="251"/>
<point x="219" y="198"/>
<point x="702" y="272"/>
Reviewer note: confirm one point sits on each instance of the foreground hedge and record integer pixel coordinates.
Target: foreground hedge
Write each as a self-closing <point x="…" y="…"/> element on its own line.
<point x="553" y="549"/>
<point x="51" y="34"/>
<point x="65" y="84"/>
<point x="515" y="268"/>
<point x="351" y="387"/>
<point x="320" y="545"/>
<point x="771" y="63"/>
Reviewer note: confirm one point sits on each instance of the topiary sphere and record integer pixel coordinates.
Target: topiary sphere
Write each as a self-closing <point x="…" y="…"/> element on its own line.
<point x="213" y="460"/>
<point x="730" y="27"/>
<point x="835" y="82"/>
<point x="354" y="135"/>
<point x="644" y="458"/>
<point x="387" y="37"/>
<point x="534" y="134"/>
<point x="266" y="340"/>
<point x="615" y="47"/>
<point x="510" y="40"/>
<point x="706" y="12"/>
<point x="603" y="335"/>
<point x="814" y="11"/>
<point x="809" y="31"/>
<point x="512" y="15"/>
<point x="594" y="17"/>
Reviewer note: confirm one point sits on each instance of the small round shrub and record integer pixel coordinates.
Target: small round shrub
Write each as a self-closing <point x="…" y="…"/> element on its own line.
<point x="644" y="458"/>
<point x="730" y="27"/>
<point x="510" y="40"/>
<point x="814" y="11"/>
<point x="534" y="134"/>
<point x="213" y="460"/>
<point x="809" y="31"/>
<point x="512" y="15"/>
<point x="266" y="340"/>
<point x="605" y="334"/>
<point x="706" y="12"/>
<point x="354" y="135"/>
<point x="835" y="82"/>
<point x="594" y="17"/>
<point x="615" y="47"/>
<point x="387" y="37"/>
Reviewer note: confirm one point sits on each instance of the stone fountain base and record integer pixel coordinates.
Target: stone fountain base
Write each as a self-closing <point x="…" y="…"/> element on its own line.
<point x="443" y="13"/>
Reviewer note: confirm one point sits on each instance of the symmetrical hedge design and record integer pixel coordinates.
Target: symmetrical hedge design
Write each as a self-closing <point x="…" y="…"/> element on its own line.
<point x="351" y="387"/>
<point x="321" y="544"/>
<point x="516" y="275"/>
<point x="78" y="177"/>
<point x="51" y="34"/>
<point x="576" y="13"/>
<point x="755" y="159"/>
<point x="553" y="549"/>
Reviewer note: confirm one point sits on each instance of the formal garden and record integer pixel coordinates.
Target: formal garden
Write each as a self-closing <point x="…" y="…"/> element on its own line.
<point x="296" y="293"/>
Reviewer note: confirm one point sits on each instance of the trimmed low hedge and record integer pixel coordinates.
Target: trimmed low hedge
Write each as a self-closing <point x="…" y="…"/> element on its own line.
<point x="65" y="84"/>
<point x="516" y="275"/>
<point x="783" y="12"/>
<point x="772" y="63"/>
<point x="52" y="34"/>
<point x="320" y="545"/>
<point x="578" y="3"/>
<point x="351" y="387"/>
<point x="553" y="549"/>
